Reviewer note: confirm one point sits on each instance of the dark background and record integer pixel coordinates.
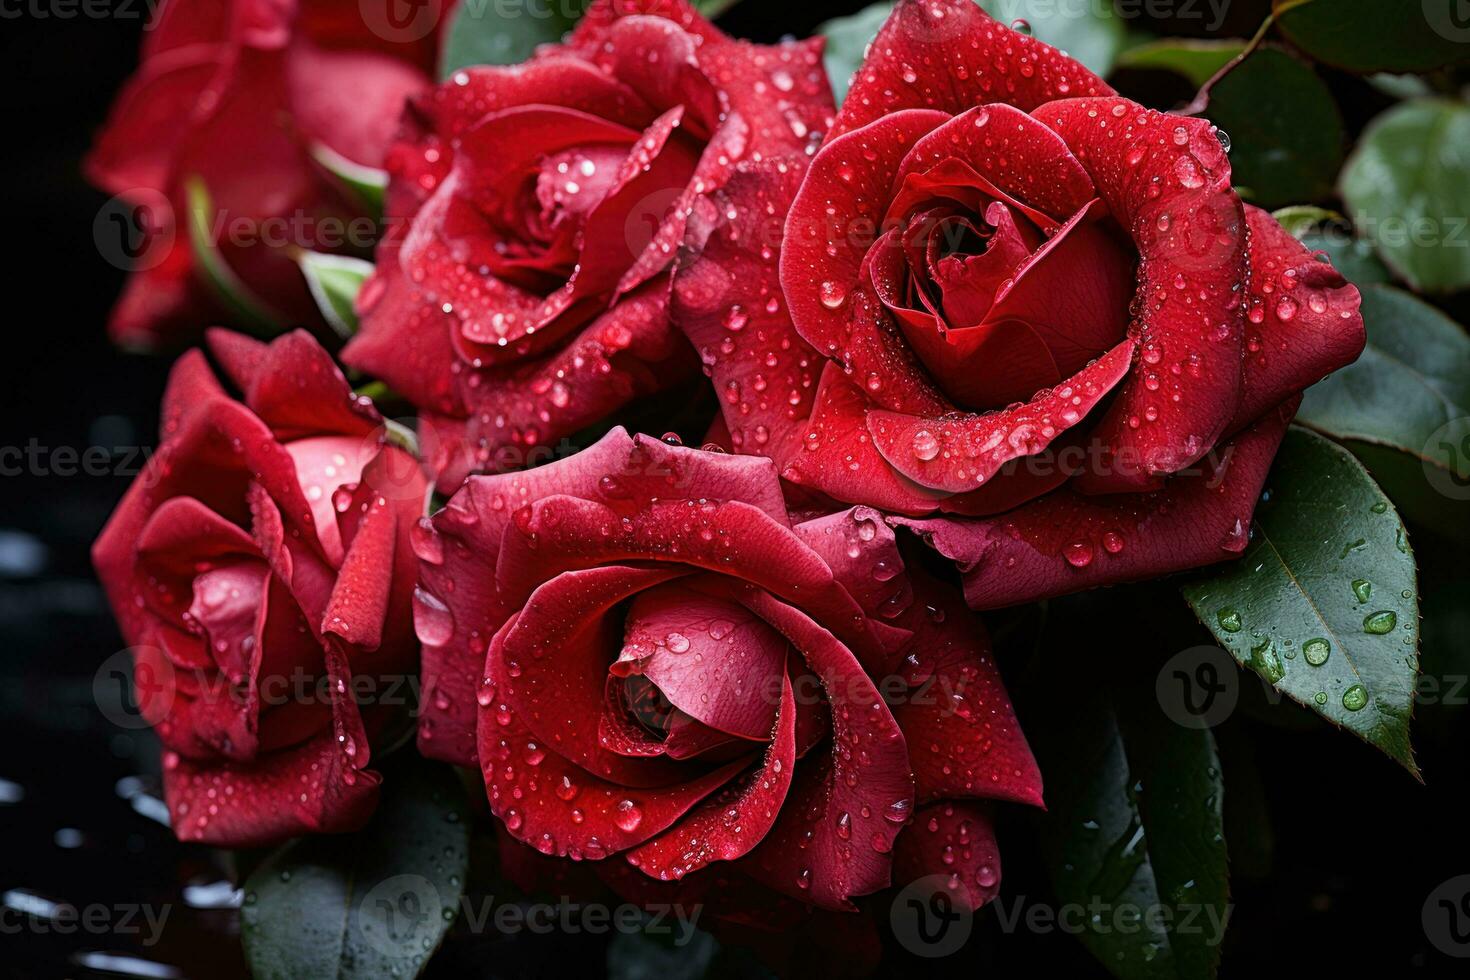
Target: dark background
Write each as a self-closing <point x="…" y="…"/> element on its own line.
<point x="1334" y="848"/>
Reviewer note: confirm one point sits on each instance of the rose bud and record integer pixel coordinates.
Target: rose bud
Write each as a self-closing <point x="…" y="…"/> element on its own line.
<point x="261" y="571"/>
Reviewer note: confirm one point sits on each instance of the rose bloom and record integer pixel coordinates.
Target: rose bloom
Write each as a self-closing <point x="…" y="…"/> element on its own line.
<point x="260" y="570"/>
<point x="241" y="96"/>
<point x="658" y="670"/>
<point x="1004" y="292"/>
<point x="521" y="293"/>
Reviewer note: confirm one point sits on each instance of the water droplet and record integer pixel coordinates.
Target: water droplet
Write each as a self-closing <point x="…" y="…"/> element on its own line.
<point x="1380" y="622"/>
<point x="833" y="295"/>
<point x="1078" y="554"/>
<point x="1362" y="589"/>
<point x="1228" y="619"/>
<point x="628" y="816"/>
<point x="1316" y="651"/>
<point x="1355" y="697"/>
<point x="926" y="447"/>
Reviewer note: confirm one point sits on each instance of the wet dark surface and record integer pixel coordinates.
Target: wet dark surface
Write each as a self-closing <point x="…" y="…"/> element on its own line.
<point x="1330" y="873"/>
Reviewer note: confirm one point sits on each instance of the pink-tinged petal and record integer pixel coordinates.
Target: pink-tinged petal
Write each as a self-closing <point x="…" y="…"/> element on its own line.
<point x="212" y="448"/>
<point x="1013" y="151"/>
<point x="144" y="129"/>
<point x="688" y="737"/>
<point x="457" y="609"/>
<point x="963" y="736"/>
<point x="950" y="55"/>
<point x="1067" y="541"/>
<point x="1303" y="323"/>
<point x="520" y="413"/>
<point x="958" y="452"/>
<point x="601" y="15"/>
<point x="955" y="840"/>
<point x="1166" y="180"/>
<point x="731" y="537"/>
<point x="838" y="456"/>
<point x="320" y="786"/>
<point x="659" y="61"/>
<point x="1072" y="294"/>
<point x="863" y="554"/>
<point x="836" y="216"/>
<point x="630" y="237"/>
<point x="559" y="80"/>
<point x="737" y="818"/>
<point x="781" y="91"/>
<point x="560" y="808"/>
<point x="494" y="159"/>
<point x="728" y="302"/>
<point x="707" y="654"/>
<point x="405" y="342"/>
<point x="359" y="603"/>
<point x="554" y="696"/>
<point x="833" y="837"/>
<point x="351" y="100"/>
<point x="293" y="384"/>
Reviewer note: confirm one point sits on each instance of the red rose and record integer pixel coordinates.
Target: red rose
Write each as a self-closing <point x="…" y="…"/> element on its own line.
<point x="654" y="666"/>
<point x="1004" y="291"/>
<point x="257" y="566"/>
<point x="238" y="95"/>
<point x="522" y="292"/>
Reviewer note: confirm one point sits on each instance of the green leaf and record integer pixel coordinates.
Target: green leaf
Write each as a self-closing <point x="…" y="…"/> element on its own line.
<point x="714" y="8"/>
<point x="1284" y="128"/>
<point x="1407" y="186"/>
<point x="1369" y="35"/>
<point x="1134" y="822"/>
<point x="248" y="311"/>
<point x="367" y="184"/>
<point x="847" y="39"/>
<point x="1324" y="603"/>
<point x="366" y="905"/>
<point x="1195" y="60"/>
<point x="1090" y="32"/>
<point x="1323" y="230"/>
<point x="489" y="34"/>
<point x="1353" y="257"/>
<point x="1299" y="219"/>
<point x="334" y="281"/>
<point x="1409" y="391"/>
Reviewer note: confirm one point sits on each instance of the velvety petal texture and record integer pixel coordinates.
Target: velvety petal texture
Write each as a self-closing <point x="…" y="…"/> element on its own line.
<point x="1005" y="302"/>
<point x="243" y="98"/>
<point x="261" y="572"/>
<point x="653" y="666"/>
<point x="540" y="208"/>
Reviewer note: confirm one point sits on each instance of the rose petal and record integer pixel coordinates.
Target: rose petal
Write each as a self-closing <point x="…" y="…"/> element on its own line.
<point x="1307" y="325"/>
<point x="737" y="818"/>
<point x="950" y="55"/>
<point x="1166" y="180"/>
<point x="955" y="453"/>
<point x="957" y="841"/>
<point x="1067" y="541"/>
